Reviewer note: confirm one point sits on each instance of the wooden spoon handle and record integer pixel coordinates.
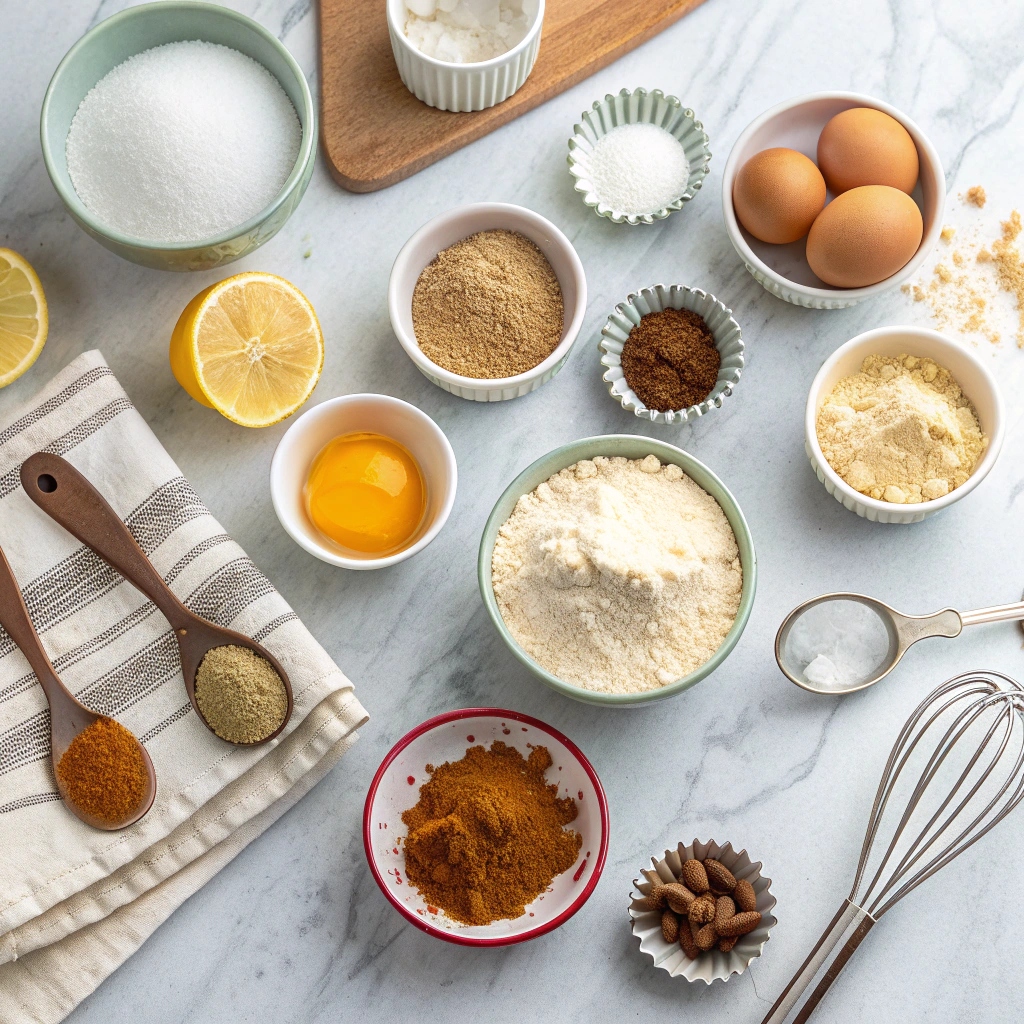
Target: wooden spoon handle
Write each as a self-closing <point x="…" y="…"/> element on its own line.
<point x="15" y="620"/>
<point x="69" y="499"/>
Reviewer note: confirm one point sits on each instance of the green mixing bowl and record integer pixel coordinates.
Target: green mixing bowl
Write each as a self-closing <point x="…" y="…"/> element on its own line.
<point x="139" y="28"/>
<point x="629" y="446"/>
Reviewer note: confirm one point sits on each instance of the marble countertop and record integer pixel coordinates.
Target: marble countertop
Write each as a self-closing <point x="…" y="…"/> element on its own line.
<point x="295" y="928"/>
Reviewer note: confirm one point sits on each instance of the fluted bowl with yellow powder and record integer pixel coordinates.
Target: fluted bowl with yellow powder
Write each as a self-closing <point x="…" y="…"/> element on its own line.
<point x="902" y="422"/>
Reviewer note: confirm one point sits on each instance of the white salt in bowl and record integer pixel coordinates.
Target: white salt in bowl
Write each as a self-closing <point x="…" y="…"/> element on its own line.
<point x="638" y="107"/>
<point x="629" y="446"/>
<point x="796" y="124"/>
<point x="141" y="28"/>
<point x="976" y="382"/>
<point x="713" y="965"/>
<point x="395" y="788"/>
<point x="462" y="87"/>
<point x="379" y="414"/>
<point x="617" y="328"/>
<point x="453" y="226"/>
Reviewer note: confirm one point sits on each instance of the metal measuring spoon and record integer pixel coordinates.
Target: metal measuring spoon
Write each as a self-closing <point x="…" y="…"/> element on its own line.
<point x="68" y="716"/>
<point x="69" y="499"/>
<point x="903" y="631"/>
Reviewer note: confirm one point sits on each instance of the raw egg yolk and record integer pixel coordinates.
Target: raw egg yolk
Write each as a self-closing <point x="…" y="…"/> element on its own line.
<point x="365" y="492"/>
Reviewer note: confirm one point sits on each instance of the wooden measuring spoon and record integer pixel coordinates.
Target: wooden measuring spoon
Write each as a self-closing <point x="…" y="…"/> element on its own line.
<point x="69" y="499"/>
<point x="68" y="716"/>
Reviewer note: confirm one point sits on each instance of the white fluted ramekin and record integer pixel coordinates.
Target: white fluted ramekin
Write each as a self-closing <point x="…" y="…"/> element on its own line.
<point x="974" y="378"/>
<point x="462" y="87"/>
<point x="638" y="107"/>
<point x="627" y="315"/>
<point x="713" y="965"/>
<point x="453" y="226"/>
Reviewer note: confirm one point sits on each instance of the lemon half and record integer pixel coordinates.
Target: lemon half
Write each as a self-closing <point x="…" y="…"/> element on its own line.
<point x="250" y="347"/>
<point x="24" y="319"/>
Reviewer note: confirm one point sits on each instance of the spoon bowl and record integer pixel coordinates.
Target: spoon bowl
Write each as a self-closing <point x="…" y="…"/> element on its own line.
<point x="69" y="499"/>
<point x="812" y="646"/>
<point x="68" y="716"/>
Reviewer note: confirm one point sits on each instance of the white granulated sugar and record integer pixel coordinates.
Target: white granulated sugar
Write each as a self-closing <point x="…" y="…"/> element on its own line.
<point x="468" y="31"/>
<point x="618" y="575"/>
<point x="638" y="169"/>
<point x="182" y="142"/>
<point x="838" y="643"/>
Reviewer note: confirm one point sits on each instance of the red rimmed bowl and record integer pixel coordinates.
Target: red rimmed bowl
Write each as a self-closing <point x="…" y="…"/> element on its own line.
<point x="395" y="788"/>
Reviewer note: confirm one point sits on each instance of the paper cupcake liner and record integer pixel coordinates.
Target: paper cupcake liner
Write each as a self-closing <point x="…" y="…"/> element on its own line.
<point x="713" y="965"/>
<point x="726" y="332"/>
<point x="638" y="107"/>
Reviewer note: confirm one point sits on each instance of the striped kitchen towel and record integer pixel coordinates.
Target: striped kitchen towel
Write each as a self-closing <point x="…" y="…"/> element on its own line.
<point x="76" y="902"/>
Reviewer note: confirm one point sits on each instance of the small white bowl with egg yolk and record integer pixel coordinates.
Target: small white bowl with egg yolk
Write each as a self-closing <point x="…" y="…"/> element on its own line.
<point x="366" y="491"/>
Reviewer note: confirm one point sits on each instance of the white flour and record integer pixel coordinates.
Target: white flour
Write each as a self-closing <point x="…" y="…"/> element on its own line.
<point x="618" y="575"/>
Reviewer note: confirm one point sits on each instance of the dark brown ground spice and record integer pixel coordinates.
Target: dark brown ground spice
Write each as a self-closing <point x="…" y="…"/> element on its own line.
<point x="486" y="837"/>
<point x="670" y="360"/>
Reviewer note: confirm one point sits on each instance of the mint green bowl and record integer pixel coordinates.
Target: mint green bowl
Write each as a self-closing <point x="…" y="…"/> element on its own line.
<point x="629" y="446"/>
<point x="140" y="28"/>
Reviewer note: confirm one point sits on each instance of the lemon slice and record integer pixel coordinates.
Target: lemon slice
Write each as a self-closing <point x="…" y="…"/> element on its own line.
<point x="250" y="347"/>
<point x="24" y="319"/>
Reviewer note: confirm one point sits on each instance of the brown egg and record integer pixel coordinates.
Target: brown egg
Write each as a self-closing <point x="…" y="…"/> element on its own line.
<point x="863" y="146"/>
<point x="777" y="194"/>
<point x="864" y="236"/>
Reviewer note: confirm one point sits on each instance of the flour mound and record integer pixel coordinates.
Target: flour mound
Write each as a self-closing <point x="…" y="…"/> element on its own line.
<point x="618" y="575"/>
<point x="901" y="430"/>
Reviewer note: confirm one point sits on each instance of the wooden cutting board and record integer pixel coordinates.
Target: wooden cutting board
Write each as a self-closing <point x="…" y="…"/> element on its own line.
<point x="375" y="132"/>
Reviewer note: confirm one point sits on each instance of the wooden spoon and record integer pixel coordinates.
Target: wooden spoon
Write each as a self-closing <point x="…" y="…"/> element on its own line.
<point x="68" y="716"/>
<point x="69" y="499"/>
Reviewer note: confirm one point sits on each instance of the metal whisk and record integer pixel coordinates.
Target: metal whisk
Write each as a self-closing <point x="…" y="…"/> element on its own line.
<point x="958" y="764"/>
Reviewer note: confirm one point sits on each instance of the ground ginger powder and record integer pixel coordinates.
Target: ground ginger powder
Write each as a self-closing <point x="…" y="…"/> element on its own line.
<point x="486" y="837"/>
<point x="901" y="430"/>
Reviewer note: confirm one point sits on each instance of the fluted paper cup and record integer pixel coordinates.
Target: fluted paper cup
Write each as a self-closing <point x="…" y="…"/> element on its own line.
<point x="713" y="965"/>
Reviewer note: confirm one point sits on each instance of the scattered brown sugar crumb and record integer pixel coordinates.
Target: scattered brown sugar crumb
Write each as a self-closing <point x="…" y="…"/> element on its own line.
<point x="670" y="360"/>
<point x="1010" y="267"/>
<point x="962" y="290"/>
<point x="975" y="195"/>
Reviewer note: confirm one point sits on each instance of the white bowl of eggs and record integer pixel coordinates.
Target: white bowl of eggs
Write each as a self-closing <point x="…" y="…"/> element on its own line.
<point x="832" y="198"/>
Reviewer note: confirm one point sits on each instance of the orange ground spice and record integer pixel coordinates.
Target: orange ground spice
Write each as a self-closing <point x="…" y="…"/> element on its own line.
<point x="103" y="772"/>
<point x="486" y="837"/>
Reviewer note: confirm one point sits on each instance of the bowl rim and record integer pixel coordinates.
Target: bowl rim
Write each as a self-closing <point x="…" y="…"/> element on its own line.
<point x="927" y="335"/>
<point x="400" y="270"/>
<point x="531" y="933"/>
<point x="566" y="455"/>
<point x="398" y="32"/>
<point x="307" y="140"/>
<point x="692" y="411"/>
<point x="636" y="219"/>
<point x="927" y="153"/>
<point x="322" y="551"/>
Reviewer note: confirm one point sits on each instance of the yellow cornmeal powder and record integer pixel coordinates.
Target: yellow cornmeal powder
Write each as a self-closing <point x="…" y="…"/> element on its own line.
<point x="901" y="430"/>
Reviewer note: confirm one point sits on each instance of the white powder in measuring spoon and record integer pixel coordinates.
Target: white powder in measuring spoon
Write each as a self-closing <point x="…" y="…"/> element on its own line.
<point x="182" y="142"/>
<point x="838" y="644"/>
<point x="639" y="168"/>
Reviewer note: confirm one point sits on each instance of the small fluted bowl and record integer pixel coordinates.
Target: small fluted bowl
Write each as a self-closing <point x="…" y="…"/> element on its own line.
<point x="726" y="332"/>
<point x="638" y="107"/>
<point x="713" y="965"/>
